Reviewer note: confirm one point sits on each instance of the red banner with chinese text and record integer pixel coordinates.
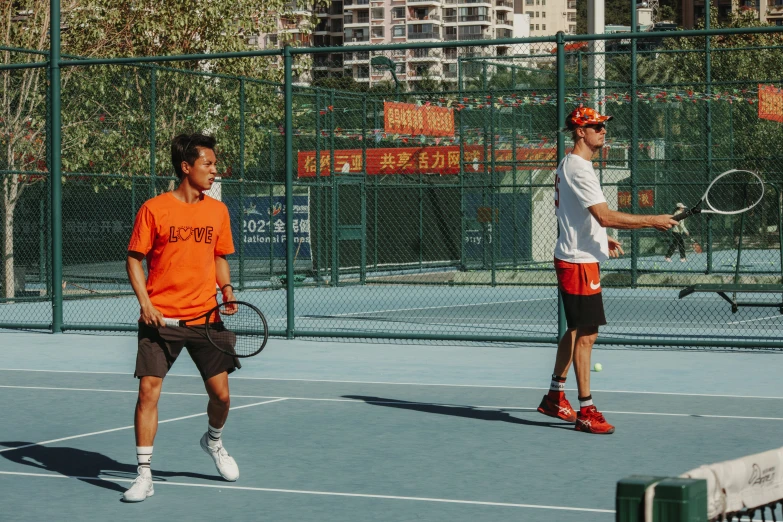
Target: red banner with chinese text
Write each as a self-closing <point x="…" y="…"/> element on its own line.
<point x="422" y="160"/>
<point x="770" y="103"/>
<point x="646" y="198"/>
<point x="427" y="120"/>
<point x="623" y="199"/>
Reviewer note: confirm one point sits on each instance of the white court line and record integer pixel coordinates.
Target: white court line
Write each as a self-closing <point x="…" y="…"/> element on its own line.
<point x="445" y="385"/>
<point x="127" y="427"/>
<point x="432" y="307"/>
<point x="361" y="401"/>
<point x="757" y="319"/>
<point x="323" y="493"/>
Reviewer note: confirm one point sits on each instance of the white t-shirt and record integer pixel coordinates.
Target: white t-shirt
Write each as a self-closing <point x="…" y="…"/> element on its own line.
<point x="582" y="239"/>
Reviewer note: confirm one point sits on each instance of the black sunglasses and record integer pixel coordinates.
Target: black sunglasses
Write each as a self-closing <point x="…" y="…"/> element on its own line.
<point x="597" y="127"/>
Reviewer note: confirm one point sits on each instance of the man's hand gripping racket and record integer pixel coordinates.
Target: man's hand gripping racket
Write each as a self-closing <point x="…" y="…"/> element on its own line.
<point x="234" y="327"/>
<point x="732" y="192"/>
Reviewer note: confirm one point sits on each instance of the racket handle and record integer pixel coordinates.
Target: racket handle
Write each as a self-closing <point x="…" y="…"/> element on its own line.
<point x="171" y="322"/>
<point x="683" y="215"/>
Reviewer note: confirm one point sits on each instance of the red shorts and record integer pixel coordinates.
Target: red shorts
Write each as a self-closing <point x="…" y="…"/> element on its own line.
<point x="580" y="286"/>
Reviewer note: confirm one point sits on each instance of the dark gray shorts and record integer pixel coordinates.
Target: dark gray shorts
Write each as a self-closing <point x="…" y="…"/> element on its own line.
<point x="159" y="348"/>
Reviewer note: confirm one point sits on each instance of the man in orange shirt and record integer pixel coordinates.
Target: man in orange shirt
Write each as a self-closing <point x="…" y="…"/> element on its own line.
<point x="184" y="236"/>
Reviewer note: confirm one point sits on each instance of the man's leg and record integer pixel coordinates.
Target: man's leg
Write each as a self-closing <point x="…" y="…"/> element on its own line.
<point x="589" y="419"/>
<point x="219" y="399"/>
<point x="672" y="247"/>
<point x="146" y="418"/>
<point x="555" y="403"/>
<point x="217" y="412"/>
<point x="565" y="353"/>
<point x="583" y="349"/>
<point x="681" y="245"/>
<point x="145" y="424"/>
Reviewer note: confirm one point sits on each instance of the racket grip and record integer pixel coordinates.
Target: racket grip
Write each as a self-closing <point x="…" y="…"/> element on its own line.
<point x="683" y="215"/>
<point x="170" y="322"/>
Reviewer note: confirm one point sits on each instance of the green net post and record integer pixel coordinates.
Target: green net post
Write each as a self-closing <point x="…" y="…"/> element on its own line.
<point x="629" y="497"/>
<point x="680" y="500"/>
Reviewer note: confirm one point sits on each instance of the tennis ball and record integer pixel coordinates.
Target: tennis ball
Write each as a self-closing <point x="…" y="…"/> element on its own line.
<point x="597" y="367"/>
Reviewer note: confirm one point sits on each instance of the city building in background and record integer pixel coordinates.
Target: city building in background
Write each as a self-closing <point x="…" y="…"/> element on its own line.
<point x="360" y="22"/>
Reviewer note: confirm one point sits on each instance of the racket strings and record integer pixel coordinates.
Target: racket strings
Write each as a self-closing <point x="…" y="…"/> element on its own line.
<point x="735" y="191"/>
<point x="242" y="332"/>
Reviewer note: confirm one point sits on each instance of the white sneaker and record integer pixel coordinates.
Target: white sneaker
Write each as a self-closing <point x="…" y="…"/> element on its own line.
<point x="668" y="259"/>
<point x="141" y="488"/>
<point x="682" y="260"/>
<point x="225" y="464"/>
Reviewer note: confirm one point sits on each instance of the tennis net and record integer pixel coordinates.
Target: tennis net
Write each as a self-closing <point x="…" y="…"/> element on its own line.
<point x="749" y="488"/>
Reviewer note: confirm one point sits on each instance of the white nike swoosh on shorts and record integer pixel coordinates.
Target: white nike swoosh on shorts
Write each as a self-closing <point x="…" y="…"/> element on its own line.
<point x="594" y="286"/>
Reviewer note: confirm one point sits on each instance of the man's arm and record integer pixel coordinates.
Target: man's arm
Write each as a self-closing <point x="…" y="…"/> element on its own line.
<point x="223" y="277"/>
<point x="609" y="218"/>
<point x="149" y="314"/>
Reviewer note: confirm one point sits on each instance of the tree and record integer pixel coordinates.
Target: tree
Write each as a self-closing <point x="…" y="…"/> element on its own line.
<point x="24" y="24"/>
<point x="106" y="110"/>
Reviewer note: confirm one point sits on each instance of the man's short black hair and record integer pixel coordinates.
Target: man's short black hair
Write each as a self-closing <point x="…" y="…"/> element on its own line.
<point x="184" y="148"/>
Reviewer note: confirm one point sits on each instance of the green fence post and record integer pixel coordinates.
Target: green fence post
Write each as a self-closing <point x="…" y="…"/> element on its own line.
<point x="561" y="115"/>
<point x="271" y="191"/>
<point x="458" y="114"/>
<point x="242" y="184"/>
<point x="335" y="279"/>
<point x="708" y="115"/>
<point x="514" y="193"/>
<point x="363" y="261"/>
<point x="494" y="201"/>
<point x="634" y="152"/>
<point x="375" y="186"/>
<point x="289" y="190"/>
<point x="319" y="224"/>
<point x="153" y="145"/>
<point x="56" y="186"/>
<point x="41" y="241"/>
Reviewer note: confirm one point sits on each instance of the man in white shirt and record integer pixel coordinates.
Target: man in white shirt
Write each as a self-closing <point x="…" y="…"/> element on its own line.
<point x="582" y="243"/>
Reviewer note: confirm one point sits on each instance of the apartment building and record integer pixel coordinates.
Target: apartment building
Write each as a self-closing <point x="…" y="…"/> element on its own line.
<point x="548" y="17"/>
<point x="368" y="22"/>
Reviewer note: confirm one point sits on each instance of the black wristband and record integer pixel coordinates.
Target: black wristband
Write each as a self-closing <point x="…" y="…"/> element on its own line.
<point x="223" y="288"/>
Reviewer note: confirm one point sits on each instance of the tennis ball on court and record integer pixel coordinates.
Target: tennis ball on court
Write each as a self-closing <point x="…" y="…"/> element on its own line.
<point x="598" y="367"/>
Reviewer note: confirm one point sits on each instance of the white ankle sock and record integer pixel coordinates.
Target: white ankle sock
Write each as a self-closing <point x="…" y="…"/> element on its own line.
<point x="213" y="436"/>
<point x="144" y="456"/>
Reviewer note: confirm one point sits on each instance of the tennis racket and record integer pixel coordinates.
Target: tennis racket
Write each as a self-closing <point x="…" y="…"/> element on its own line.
<point x="732" y="192"/>
<point x="234" y="327"/>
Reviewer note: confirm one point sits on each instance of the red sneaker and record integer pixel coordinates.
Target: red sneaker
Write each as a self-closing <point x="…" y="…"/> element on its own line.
<point x="560" y="409"/>
<point x="592" y="421"/>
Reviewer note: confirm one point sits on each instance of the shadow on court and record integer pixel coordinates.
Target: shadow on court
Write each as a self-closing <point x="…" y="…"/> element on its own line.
<point x="87" y="466"/>
<point x="468" y="412"/>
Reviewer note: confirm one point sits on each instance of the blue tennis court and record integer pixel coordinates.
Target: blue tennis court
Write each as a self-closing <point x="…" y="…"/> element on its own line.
<point x="353" y="431"/>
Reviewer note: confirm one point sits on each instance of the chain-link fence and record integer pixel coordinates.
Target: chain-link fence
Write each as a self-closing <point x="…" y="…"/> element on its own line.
<point x="421" y="185"/>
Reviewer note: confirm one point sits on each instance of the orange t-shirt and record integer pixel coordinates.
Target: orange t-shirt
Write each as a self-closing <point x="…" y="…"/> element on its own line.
<point x="181" y="241"/>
